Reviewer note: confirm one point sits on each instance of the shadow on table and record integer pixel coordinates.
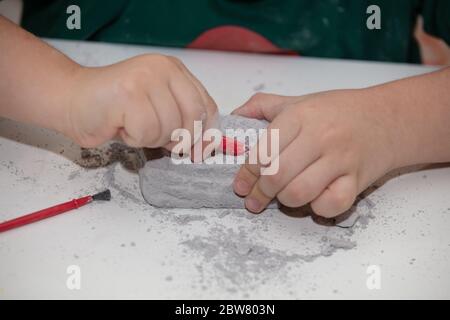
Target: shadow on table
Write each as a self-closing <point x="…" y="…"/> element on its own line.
<point x="50" y="141"/>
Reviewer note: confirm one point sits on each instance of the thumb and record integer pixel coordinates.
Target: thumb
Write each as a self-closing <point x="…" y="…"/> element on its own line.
<point x="264" y="106"/>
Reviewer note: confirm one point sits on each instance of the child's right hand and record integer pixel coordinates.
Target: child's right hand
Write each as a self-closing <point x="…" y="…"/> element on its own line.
<point x="142" y="100"/>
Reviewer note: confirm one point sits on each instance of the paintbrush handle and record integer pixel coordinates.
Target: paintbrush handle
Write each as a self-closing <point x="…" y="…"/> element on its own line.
<point x="44" y="214"/>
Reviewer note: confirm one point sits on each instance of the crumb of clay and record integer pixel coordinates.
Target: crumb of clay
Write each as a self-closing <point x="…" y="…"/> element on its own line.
<point x="115" y="152"/>
<point x="187" y="219"/>
<point x="340" y="243"/>
<point x="259" y="87"/>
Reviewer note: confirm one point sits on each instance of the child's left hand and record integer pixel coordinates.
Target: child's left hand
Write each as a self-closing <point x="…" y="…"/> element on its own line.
<point x="333" y="145"/>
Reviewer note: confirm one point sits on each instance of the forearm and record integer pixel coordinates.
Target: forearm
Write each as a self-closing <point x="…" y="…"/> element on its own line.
<point x="420" y="112"/>
<point x="35" y="78"/>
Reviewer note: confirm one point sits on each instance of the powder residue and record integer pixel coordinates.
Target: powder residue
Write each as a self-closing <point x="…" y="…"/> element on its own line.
<point x="242" y="261"/>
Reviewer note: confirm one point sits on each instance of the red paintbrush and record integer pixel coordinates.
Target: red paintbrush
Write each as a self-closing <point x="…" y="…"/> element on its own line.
<point x="53" y="211"/>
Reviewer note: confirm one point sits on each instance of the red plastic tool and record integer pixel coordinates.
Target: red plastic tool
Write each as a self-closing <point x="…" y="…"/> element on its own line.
<point x="53" y="211"/>
<point x="232" y="146"/>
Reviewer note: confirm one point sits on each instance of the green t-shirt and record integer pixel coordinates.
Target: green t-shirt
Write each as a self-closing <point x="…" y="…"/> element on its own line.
<point x="321" y="28"/>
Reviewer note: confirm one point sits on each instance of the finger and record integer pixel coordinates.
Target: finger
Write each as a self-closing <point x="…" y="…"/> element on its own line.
<point x="288" y="128"/>
<point x="209" y="103"/>
<point x="168" y="114"/>
<point x="244" y="181"/>
<point x="295" y="158"/>
<point x="198" y="149"/>
<point x="190" y="105"/>
<point x="336" y="198"/>
<point x="257" y="201"/>
<point x="210" y="119"/>
<point x="262" y="106"/>
<point x="139" y="122"/>
<point x="266" y="106"/>
<point x="309" y="184"/>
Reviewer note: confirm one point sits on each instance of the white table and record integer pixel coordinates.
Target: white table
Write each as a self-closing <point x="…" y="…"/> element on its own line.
<point x="127" y="249"/>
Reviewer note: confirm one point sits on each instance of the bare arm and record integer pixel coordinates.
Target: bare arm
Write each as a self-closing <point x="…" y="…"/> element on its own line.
<point x="142" y="99"/>
<point x="421" y="108"/>
<point x="35" y="78"/>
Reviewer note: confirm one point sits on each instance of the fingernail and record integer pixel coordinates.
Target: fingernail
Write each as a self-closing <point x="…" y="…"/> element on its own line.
<point x="241" y="187"/>
<point x="253" y="205"/>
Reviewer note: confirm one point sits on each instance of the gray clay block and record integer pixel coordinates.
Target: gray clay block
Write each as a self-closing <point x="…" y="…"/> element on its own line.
<point x="168" y="185"/>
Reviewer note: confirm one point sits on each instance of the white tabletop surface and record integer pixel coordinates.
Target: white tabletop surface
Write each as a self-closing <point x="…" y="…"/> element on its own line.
<point x="127" y="249"/>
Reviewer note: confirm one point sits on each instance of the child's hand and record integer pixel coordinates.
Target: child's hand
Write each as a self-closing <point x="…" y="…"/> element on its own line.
<point x="333" y="145"/>
<point x="142" y="100"/>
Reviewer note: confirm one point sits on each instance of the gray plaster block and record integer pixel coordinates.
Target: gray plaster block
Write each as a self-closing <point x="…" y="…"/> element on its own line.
<point x="169" y="185"/>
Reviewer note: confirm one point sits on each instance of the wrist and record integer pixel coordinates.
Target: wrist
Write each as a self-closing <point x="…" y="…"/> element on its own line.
<point x="64" y="104"/>
<point x="393" y="116"/>
<point x="416" y="117"/>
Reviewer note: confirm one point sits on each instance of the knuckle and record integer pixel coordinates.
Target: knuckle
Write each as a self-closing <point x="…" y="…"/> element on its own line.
<point x="329" y="133"/>
<point x="256" y="101"/>
<point x="259" y="96"/>
<point x="172" y="63"/>
<point x="130" y="84"/>
<point x="164" y="59"/>
<point x="295" y="196"/>
<point x="159" y="61"/>
<point x="270" y="183"/>
<point x="274" y="180"/>
<point x="143" y="130"/>
<point x="127" y="87"/>
<point x="173" y="59"/>
<point x="333" y="135"/>
<point x="252" y="169"/>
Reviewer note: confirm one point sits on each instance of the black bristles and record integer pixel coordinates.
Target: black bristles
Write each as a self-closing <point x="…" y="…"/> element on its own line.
<point x="103" y="196"/>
